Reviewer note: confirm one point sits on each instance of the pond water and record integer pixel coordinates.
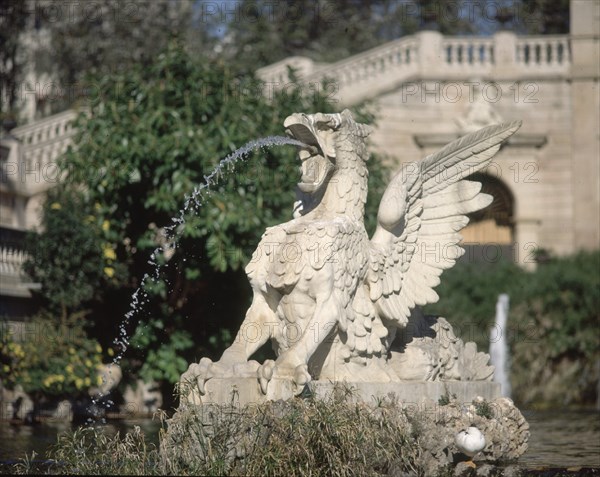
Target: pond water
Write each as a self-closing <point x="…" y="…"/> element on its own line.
<point x="563" y="439"/>
<point x="558" y="438"/>
<point x="18" y="440"/>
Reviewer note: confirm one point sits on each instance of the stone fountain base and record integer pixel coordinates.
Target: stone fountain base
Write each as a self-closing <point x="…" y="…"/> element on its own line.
<point x="233" y="416"/>
<point x="244" y="391"/>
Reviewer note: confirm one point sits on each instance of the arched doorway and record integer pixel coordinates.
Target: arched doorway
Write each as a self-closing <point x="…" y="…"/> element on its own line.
<point x="495" y="223"/>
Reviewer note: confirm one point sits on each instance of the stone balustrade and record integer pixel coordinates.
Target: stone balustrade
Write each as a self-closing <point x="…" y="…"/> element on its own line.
<point x="39" y="145"/>
<point x="12" y="257"/>
<point x="399" y="54"/>
<point x="463" y="52"/>
<point x="544" y="52"/>
<point x="429" y="55"/>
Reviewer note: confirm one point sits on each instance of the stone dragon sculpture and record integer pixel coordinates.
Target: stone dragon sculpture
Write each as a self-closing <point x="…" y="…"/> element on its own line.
<point x="330" y="299"/>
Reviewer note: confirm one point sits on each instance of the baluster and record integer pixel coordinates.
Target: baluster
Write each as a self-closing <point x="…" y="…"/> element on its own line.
<point x="10" y="265"/>
<point x="3" y="259"/>
<point x="12" y="260"/>
<point x="347" y="76"/>
<point x="563" y="56"/>
<point x="555" y="47"/>
<point x="559" y="53"/>
<point x="452" y="48"/>
<point x="519" y="55"/>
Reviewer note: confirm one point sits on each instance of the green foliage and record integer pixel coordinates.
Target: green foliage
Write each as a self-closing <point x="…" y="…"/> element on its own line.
<point x="264" y="32"/>
<point x="446" y="399"/>
<point x="109" y="35"/>
<point x="164" y="361"/>
<point x="47" y="360"/>
<point x="484" y="409"/>
<point x="73" y="259"/>
<point x="468" y="294"/>
<point x="13" y="21"/>
<point x="555" y="359"/>
<point x="552" y="327"/>
<point x="545" y="17"/>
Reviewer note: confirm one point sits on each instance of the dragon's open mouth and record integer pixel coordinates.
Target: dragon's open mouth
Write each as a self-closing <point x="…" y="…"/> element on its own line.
<point x="317" y="155"/>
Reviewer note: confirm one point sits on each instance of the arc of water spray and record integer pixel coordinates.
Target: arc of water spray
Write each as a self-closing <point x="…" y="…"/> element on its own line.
<point x="173" y="232"/>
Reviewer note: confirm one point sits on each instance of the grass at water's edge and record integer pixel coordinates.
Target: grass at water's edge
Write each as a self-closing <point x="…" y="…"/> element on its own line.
<point x="333" y="436"/>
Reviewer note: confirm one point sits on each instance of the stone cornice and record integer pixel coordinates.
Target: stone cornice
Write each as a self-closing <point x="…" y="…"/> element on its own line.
<point x="439" y="140"/>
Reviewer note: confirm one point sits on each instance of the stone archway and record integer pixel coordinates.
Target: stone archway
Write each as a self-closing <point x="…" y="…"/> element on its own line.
<point x="495" y="223"/>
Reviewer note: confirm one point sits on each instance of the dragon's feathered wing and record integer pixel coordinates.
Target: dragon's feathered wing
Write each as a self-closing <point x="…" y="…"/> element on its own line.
<point x="419" y="218"/>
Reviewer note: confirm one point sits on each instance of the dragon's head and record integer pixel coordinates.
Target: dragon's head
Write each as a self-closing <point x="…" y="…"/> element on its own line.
<point x="332" y="141"/>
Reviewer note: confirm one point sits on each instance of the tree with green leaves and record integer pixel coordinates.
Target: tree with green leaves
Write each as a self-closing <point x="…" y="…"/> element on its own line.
<point x="262" y="32"/>
<point x="72" y="258"/>
<point x="13" y="21"/>
<point x="150" y="136"/>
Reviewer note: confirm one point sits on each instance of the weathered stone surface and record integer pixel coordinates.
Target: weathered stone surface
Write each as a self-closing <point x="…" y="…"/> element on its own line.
<point x="330" y="300"/>
<point x="414" y="394"/>
<point x="505" y="429"/>
<point x="143" y="398"/>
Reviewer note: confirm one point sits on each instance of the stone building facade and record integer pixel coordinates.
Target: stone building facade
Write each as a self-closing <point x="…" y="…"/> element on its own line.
<point x="428" y="89"/>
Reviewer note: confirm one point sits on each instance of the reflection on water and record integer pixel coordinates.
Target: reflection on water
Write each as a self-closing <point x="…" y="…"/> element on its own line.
<point x="563" y="439"/>
<point x="17" y="441"/>
<point x="558" y="439"/>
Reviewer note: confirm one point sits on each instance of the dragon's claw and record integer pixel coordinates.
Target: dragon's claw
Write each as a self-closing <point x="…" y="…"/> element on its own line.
<point x="265" y="373"/>
<point x="299" y="374"/>
<point x="194" y="379"/>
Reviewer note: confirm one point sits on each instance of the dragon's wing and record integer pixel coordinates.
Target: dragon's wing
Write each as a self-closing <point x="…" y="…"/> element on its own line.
<point x="419" y="218"/>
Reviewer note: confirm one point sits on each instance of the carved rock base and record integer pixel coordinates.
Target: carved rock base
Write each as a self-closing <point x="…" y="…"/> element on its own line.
<point x="243" y="391"/>
<point x="238" y="432"/>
